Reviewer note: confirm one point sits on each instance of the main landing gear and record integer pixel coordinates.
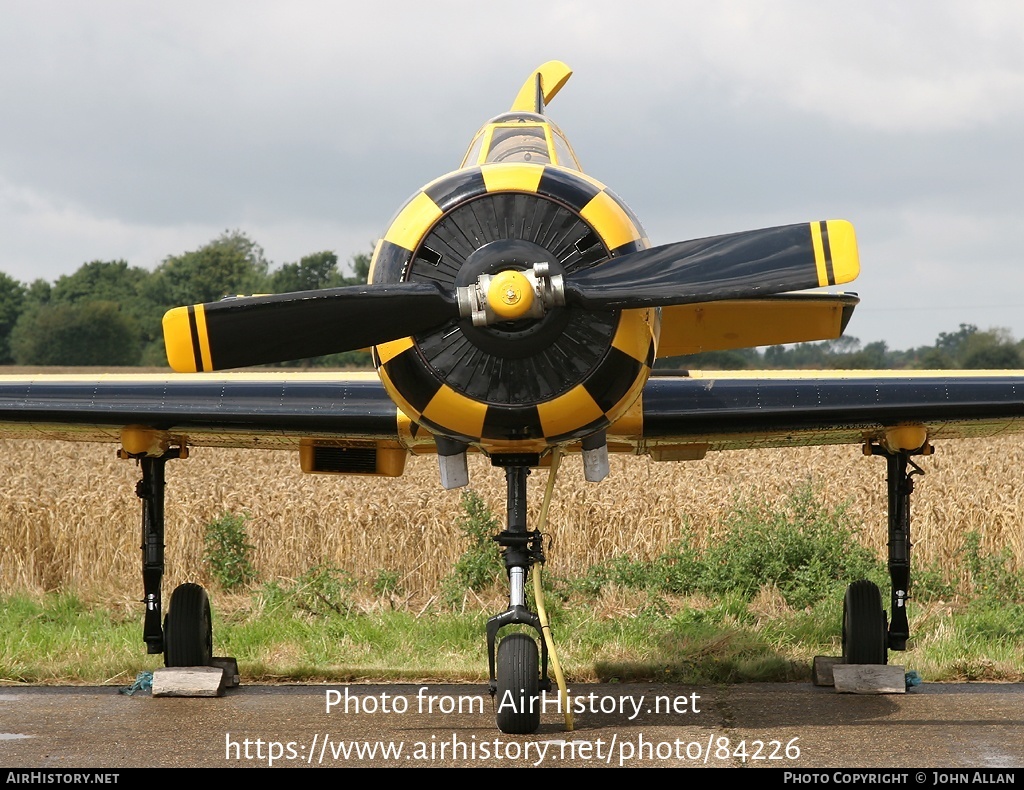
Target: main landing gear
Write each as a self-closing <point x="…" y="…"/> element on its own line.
<point x="186" y="635"/>
<point x="867" y="636"/>
<point x="517" y="673"/>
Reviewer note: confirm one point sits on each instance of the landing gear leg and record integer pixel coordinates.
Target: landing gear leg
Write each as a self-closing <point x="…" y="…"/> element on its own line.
<point x="185" y="637"/>
<point x="514" y="676"/>
<point x="901" y="486"/>
<point x="150" y="489"/>
<point x="867" y="637"/>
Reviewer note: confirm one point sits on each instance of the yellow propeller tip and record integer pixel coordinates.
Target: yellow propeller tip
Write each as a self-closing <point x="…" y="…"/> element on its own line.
<point x="845" y="258"/>
<point x="178" y="341"/>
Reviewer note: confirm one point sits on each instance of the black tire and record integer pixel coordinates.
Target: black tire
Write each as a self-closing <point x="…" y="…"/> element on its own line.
<point x="865" y="630"/>
<point x="188" y="630"/>
<point x="518" y="685"/>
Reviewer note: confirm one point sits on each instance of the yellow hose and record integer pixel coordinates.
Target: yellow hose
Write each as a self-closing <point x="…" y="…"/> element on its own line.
<point x="538" y="596"/>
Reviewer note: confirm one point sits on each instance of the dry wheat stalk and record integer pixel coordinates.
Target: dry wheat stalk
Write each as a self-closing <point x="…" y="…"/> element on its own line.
<point x="69" y="517"/>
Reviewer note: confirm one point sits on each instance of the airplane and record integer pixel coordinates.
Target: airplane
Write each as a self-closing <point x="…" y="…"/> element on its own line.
<point x="515" y="307"/>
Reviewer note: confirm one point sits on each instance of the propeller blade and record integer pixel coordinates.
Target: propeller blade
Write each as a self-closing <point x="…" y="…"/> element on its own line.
<point x="258" y="330"/>
<point x="736" y="266"/>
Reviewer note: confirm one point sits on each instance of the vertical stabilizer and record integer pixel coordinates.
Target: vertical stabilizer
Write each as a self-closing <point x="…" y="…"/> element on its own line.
<point x="541" y="87"/>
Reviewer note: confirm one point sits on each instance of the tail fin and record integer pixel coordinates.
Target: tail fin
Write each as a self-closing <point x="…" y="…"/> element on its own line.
<point x="541" y="87"/>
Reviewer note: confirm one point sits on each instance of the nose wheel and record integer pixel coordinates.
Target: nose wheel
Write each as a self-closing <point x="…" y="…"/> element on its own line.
<point x="518" y="685"/>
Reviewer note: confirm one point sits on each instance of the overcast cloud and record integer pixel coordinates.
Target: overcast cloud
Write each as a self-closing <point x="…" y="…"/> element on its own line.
<point x="139" y="131"/>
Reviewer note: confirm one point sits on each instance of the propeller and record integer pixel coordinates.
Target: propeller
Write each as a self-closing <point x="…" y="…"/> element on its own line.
<point x="243" y="331"/>
<point x="256" y="330"/>
<point x="736" y="266"/>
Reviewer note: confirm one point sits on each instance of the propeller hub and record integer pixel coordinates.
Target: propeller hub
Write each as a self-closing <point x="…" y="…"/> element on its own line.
<point x="510" y="295"/>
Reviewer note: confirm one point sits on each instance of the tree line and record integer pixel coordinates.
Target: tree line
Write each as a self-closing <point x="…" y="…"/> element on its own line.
<point x="108" y="313"/>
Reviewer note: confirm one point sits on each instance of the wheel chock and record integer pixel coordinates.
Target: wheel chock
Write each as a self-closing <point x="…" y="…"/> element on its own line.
<point x="189" y="682"/>
<point x="869" y="679"/>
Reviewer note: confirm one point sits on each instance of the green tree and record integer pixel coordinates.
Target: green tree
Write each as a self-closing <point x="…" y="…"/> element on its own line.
<point x="991" y="350"/>
<point x="800" y="356"/>
<point x="231" y="264"/>
<point x="360" y="268"/>
<point x="319" y="270"/>
<point x="83" y="333"/>
<point x="37" y="293"/>
<point x="935" y="359"/>
<point x="12" y="302"/>
<point x="312" y="272"/>
<point x="952" y="343"/>
<point x="100" y="281"/>
<point x="874" y="356"/>
<point x="113" y="281"/>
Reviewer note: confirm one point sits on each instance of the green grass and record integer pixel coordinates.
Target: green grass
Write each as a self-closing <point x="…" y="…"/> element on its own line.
<point x="53" y="639"/>
<point x="757" y="606"/>
<point x="57" y="638"/>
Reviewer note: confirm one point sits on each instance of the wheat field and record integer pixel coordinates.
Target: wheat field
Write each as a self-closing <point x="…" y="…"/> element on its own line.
<point x="69" y="517"/>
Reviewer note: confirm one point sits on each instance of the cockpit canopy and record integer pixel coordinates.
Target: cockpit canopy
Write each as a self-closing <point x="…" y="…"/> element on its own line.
<point x="520" y="137"/>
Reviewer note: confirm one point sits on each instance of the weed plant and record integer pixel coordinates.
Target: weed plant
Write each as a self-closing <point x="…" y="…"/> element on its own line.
<point x="386" y="583"/>
<point x="480" y="564"/>
<point x="990" y="575"/>
<point x="323" y="590"/>
<point x="228" y="553"/>
<point x="802" y="549"/>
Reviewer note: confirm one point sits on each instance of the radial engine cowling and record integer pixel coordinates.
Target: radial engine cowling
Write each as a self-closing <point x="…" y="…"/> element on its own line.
<point x="518" y="384"/>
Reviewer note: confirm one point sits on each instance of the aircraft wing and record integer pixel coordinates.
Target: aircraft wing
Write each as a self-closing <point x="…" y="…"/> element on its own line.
<point x="678" y="417"/>
<point x="265" y="410"/>
<point x="684" y="416"/>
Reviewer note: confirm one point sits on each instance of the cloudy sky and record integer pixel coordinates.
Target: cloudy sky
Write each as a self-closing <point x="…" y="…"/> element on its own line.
<point x="141" y="130"/>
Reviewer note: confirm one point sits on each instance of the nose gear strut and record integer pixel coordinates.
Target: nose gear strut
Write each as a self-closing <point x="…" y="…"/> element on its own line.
<point x="516" y="681"/>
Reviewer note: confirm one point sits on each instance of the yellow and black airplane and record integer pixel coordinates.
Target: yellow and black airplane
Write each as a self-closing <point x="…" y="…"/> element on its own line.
<point x="515" y="308"/>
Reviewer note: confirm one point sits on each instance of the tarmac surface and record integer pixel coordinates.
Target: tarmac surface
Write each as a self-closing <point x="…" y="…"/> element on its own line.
<point x="788" y="726"/>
